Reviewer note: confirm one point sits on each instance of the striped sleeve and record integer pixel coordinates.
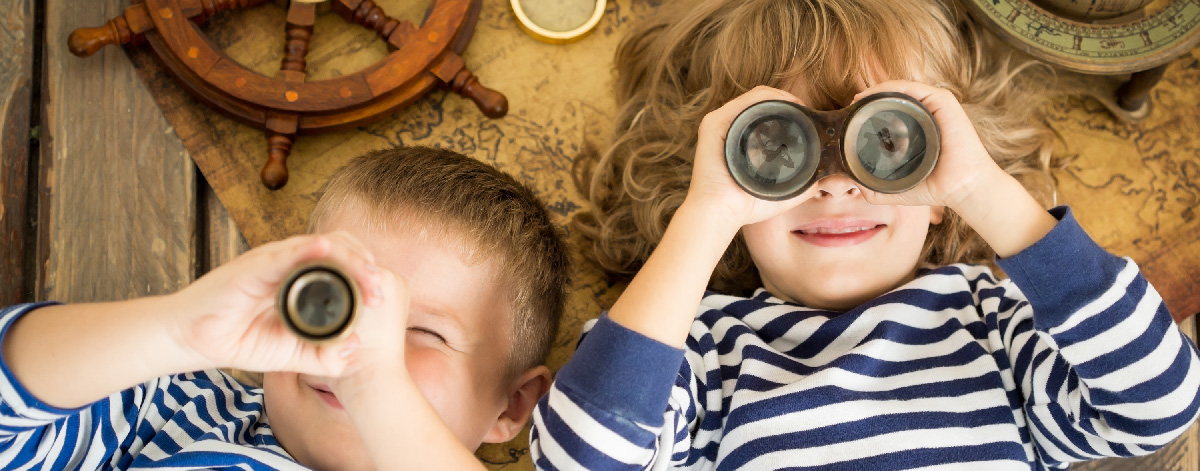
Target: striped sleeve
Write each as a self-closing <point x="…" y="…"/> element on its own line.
<point x="36" y="435"/>
<point x="623" y="401"/>
<point x="1101" y="366"/>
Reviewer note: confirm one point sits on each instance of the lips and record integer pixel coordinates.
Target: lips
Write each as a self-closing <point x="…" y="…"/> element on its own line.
<point x="838" y="232"/>
<point x="326" y="395"/>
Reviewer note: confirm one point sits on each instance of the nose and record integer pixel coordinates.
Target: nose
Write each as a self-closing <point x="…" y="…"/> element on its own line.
<point x="837" y="186"/>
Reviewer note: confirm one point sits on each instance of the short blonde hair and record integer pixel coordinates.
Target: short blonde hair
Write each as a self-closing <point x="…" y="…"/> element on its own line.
<point x="690" y="58"/>
<point x="481" y="210"/>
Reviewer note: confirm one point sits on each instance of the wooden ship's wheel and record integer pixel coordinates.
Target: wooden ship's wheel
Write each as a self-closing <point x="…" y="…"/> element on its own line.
<point x="287" y="105"/>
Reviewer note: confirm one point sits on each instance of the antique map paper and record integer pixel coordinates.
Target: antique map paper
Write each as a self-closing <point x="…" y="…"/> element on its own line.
<point x="1134" y="187"/>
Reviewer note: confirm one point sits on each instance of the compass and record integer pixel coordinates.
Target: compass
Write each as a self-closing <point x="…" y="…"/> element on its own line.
<point x="286" y="105"/>
<point x="1099" y="37"/>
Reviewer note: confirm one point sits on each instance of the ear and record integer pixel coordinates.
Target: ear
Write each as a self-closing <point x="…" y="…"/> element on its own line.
<point x="936" y="213"/>
<point x="523" y="395"/>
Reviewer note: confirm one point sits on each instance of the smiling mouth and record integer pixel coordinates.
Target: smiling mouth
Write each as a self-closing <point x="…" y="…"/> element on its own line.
<point x="838" y="236"/>
<point x="838" y="230"/>
<point x="327" y="395"/>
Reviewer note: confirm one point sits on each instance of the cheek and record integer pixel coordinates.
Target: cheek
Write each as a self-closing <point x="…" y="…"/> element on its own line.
<point x="279" y="393"/>
<point x="461" y="394"/>
<point x="431" y="371"/>
<point x="764" y="239"/>
<point x="440" y="381"/>
<point x="282" y="402"/>
<point x="912" y="227"/>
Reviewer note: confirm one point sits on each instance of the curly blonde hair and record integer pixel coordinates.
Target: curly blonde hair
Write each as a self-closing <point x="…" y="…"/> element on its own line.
<point x="686" y="60"/>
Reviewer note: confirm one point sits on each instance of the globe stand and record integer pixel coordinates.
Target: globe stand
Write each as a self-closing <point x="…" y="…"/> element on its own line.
<point x="1115" y="50"/>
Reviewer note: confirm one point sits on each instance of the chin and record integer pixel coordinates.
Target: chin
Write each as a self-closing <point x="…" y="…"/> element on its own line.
<point x="339" y="458"/>
<point x="839" y="302"/>
<point x="841" y="292"/>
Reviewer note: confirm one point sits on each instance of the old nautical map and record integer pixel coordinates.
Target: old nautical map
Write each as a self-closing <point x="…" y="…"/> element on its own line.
<point x="1135" y="187"/>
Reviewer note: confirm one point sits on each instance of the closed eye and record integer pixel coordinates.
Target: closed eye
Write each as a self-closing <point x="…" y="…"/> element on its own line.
<point x="429" y="332"/>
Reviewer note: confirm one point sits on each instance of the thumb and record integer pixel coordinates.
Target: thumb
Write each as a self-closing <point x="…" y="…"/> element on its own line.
<point x="329" y="359"/>
<point x="380" y="329"/>
<point x="391" y="314"/>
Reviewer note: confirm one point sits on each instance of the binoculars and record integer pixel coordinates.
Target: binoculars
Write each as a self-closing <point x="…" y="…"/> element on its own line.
<point x="319" y="303"/>
<point x="887" y="142"/>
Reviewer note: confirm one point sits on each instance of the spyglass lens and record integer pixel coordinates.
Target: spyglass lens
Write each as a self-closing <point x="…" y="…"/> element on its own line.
<point x="322" y="303"/>
<point x="891" y="144"/>
<point x="775" y="149"/>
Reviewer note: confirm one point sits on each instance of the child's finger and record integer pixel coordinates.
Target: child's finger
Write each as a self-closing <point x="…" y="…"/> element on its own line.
<point x="353" y="257"/>
<point x="275" y="261"/>
<point x="354" y="243"/>
<point x="260" y="271"/>
<point x="947" y="111"/>
<point x="324" y="360"/>
<point x="378" y="327"/>
<point x="395" y="290"/>
<point x="369" y="277"/>
<point x="399" y="293"/>
<point x="934" y="98"/>
<point x="716" y="123"/>
<point x="914" y="89"/>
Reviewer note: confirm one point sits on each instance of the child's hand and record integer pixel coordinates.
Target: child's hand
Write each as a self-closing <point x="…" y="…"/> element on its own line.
<point x="712" y="187"/>
<point x="399" y="426"/>
<point x="379" y="356"/>
<point x="228" y="316"/>
<point x="963" y="162"/>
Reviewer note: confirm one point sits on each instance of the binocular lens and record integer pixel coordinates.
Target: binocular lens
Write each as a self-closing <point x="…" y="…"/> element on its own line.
<point x="891" y="144"/>
<point x="772" y="150"/>
<point x="887" y="142"/>
<point x="776" y="149"/>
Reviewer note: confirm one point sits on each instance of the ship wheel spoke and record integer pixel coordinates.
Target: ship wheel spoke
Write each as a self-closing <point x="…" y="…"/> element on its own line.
<point x="135" y="21"/>
<point x="281" y="127"/>
<point x="371" y="16"/>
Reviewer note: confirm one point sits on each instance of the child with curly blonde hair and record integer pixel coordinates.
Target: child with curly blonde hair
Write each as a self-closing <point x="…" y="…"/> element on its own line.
<point x="850" y="329"/>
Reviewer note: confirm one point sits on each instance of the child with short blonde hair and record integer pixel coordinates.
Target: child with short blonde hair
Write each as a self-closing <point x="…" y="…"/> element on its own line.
<point x="463" y="276"/>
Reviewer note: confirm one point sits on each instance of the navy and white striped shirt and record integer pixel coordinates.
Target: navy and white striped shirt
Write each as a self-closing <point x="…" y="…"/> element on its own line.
<point x="201" y="420"/>
<point x="1075" y="357"/>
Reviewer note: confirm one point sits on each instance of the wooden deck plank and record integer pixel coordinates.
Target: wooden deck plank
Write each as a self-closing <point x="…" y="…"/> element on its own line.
<point x="16" y="84"/>
<point x="223" y="242"/>
<point x="117" y="212"/>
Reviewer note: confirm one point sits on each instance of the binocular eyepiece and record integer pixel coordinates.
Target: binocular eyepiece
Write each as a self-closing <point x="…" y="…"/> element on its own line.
<point x="887" y="142"/>
<point x="319" y="302"/>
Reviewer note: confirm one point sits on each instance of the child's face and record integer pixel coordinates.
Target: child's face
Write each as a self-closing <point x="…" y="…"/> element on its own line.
<point x="463" y="377"/>
<point x="836" y="251"/>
